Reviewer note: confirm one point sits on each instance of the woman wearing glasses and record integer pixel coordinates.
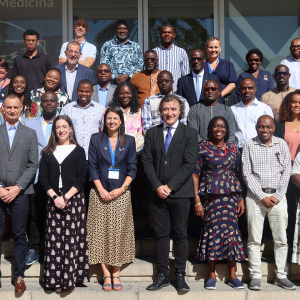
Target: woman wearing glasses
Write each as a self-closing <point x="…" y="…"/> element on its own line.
<point x="263" y="79"/>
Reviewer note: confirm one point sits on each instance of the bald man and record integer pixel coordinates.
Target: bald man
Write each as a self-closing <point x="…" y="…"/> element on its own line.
<point x="266" y="165"/>
<point x="191" y="85"/>
<point x="88" y="51"/>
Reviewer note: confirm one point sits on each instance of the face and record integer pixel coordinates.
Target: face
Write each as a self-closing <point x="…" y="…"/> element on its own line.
<point x="81" y="28"/>
<point x="282" y="76"/>
<point x="62" y="130"/>
<point x="247" y="89"/>
<point x="122" y="32"/>
<point x="295" y="104"/>
<point x="211" y="91"/>
<point x="125" y="95"/>
<point x="12" y="109"/>
<point x="3" y="73"/>
<point x="113" y="121"/>
<point x="49" y="103"/>
<point x="19" y="85"/>
<point x="73" y="54"/>
<point x="164" y="82"/>
<point x="150" y="61"/>
<point x="197" y="60"/>
<point x="213" y="49"/>
<point x="170" y="112"/>
<point x="254" y="62"/>
<point x="103" y="73"/>
<point x="52" y="79"/>
<point x="85" y="92"/>
<point x="265" y="129"/>
<point x="31" y="42"/>
<point x="295" y="48"/>
<point x="219" y="130"/>
<point x="167" y="34"/>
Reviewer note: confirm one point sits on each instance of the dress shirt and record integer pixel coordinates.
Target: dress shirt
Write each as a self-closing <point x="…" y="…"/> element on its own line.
<point x="87" y="50"/>
<point x="123" y="59"/>
<point x="200" y="78"/>
<point x="246" y="118"/>
<point x="174" y="60"/>
<point x="47" y="127"/>
<point x="166" y="129"/>
<point x="294" y="65"/>
<point x="70" y="78"/>
<point x="11" y="131"/>
<point x="102" y="95"/>
<point x="86" y="121"/>
<point x="151" y="114"/>
<point x="266" y="166"/>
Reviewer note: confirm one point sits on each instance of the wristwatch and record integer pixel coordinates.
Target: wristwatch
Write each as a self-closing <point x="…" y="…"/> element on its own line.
<point x="54" y="197"/>
<point x="125" y="187"/>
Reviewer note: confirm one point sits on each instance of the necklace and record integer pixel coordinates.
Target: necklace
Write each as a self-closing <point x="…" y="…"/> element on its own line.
<point x="217" y="145"/>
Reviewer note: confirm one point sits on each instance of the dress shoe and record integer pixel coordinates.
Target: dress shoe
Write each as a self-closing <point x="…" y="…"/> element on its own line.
<point x="181" y="285"/>
<point x="20" y="286"/>
<point x="159" y="283"/>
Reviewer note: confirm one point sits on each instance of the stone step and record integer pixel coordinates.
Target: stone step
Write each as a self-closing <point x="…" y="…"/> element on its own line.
<point x="137" y="291"/>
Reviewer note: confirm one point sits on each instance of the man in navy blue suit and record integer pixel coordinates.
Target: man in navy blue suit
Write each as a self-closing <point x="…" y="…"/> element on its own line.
<point x="191" y="85"/>
<point x="72" y="72"/>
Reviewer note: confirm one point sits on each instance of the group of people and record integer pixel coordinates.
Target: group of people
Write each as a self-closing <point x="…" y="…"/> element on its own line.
<point x="71" y="150"/>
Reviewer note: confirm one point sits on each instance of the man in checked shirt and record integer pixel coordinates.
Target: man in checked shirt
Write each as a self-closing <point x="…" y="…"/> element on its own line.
<point x="266" y="164"/>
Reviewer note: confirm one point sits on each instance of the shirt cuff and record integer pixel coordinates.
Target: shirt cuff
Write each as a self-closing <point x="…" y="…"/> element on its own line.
<point x="19" y="186"/>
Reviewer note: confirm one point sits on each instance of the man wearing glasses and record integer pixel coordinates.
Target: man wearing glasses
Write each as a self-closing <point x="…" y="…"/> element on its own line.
<point x="33" y="65"/>
<point x="293" y="63"/>
<point x="191" y="85"/>
<point x="145" y="81"/>
<point x="275" y="97"/>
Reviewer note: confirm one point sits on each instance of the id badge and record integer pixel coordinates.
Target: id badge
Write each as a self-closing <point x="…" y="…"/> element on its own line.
<point x="113" y="173"/>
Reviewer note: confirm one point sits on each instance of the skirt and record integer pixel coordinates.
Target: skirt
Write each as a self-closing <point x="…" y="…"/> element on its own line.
<point x="221" y="238"/>
<point x="296" y="242"/>
<point x="110" y="230"/>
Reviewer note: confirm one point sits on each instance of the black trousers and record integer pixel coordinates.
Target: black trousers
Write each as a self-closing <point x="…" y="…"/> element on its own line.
<point x="174" y="212"/>
<point x="18" y="209"/>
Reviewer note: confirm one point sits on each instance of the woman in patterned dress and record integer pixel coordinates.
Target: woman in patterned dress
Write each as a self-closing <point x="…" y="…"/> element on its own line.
<point x="221" y="202"/>
<point x="112" y="167"/>
<point x="62" y="174"/>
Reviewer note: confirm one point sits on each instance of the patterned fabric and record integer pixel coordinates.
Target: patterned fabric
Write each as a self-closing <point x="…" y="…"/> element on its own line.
<point x="151" y="114"/>
<point x="66" y="252"/>
<point x="122" y="59"/>
<point x="62" y="98"/>
<point x="110" y="230"/>
<point x="266" y="166"/>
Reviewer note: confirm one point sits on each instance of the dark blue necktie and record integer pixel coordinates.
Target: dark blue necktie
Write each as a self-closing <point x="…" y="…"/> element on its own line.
<point x="168" y="139"/>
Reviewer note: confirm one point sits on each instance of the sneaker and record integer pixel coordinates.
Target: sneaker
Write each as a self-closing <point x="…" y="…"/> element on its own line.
<point x="32" y="257"/>
<point x="211" y="284"/>
<point x="236" y="284"/>
<point x="284" y="283"/>
<point x="255" y="284"/>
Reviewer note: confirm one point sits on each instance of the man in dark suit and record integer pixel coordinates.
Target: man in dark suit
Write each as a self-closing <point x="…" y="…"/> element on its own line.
<point x="169" y="158"/>
<point x="18" y="164"/>
<point x="191" y="85"/>
<point x="72" y="72"/>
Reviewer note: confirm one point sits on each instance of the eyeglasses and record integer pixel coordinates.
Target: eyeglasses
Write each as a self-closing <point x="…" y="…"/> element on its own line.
<point x="254" y="59"/>
<point x="103" y="70"/>
<point x="250" y="88"/>
<point x="295" y="46"/>
<point x="150" y="59"/>
<point x="277" y="74"/>
<point x="197" y="58"/>
<point x="3" y="68"/>
<point x="213" y="89"/>
<point x="164" y="81"/>
<point x="75" y="52"/>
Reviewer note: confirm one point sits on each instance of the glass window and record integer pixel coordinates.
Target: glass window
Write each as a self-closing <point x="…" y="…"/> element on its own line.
<point x="192" y="20"/>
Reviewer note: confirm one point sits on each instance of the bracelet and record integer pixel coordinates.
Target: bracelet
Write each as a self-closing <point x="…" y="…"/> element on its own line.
<point x="198" y="204"/>
<point x="65" y="199"/>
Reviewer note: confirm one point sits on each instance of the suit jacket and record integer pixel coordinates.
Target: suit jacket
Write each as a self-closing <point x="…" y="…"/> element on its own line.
<point x="186" y="87"/>
<point x="82" y="73"/>
<point x="18" y="164"/>
<point x="174" y="168"/>
<point x="110" y="93"/>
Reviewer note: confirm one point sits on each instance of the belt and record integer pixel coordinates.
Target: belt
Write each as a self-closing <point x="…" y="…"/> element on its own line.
<point x="269" y="190"/>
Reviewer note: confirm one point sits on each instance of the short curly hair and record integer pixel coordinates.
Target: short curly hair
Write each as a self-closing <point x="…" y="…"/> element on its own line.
<point x="255" y="51"/>
<point x="211" y="125"/>
<point x="285" y="107"/>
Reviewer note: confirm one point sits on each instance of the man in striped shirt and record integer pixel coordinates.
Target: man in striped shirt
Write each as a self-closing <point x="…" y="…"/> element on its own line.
<point x="172" y="58"/>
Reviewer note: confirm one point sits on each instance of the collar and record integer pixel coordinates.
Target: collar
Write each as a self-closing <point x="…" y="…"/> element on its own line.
<point x="255" y="103"/>
<point x="51" y="122"/>
<point x="66" y="68"/>
<point x="26" y="55"/>
<point x="257" y="141"/>
<point x="100" y="88"/>
<point x="81" y="42"/>
<point x="293" y="58"/>
<point x="198" y="75"/>
<point x="162" y="47"/>
<point x="118" y="42"/>
<point x="174" y="126"/>
<point x="8" y="127"/>
<point x="78" y="106"/>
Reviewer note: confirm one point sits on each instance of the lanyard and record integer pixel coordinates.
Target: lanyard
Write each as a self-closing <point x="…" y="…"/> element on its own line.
<point x="2" y="85"/>
<point x="210" y="71"/>
<point x="112" y="154"/>
<point x="81" y="45"/>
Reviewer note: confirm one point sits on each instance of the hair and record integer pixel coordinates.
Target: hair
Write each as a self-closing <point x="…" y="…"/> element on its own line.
<point x="255" y="51"/>
<point x="31" y="32"/>
<point x="165" y="71"/>
<point x="150" y="51"/>
<point x="121" y="22"/>
<point x="134" y="104"/>
<point x="294" y="40"/>
<point x="121" y="130"/>
<point x="85" y="82"/>
<point x="285" y="107"/>
<point x="53" y="140"/>
<point x="27" y="100"/>
<point x="4" y="63"/>
<point x="75" y="44"/>
<point x="211" y="125"/>
<point x="12" y="96"/>
<point x="167" y="25"/>
<point x="53" y="69"/>
<point x="170" y="98"/>
<point x="211" y="39"/>
<point x="248" y="78"/>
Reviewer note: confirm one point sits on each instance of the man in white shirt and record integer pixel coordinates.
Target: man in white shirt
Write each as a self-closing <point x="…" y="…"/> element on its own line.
<point x="88" y="51"/>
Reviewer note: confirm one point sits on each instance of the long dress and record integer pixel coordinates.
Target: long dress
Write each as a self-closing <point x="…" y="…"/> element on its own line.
<point x="220" y="193"/>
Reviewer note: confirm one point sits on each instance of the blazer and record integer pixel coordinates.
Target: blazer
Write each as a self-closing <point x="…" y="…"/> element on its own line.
<point x="186" y="87"/>
<point x="82" y="73"/>
<point x="110" y="93"/>
<point x="73" y="171"/>
<point x="18" y="164"/>
<point x="174" y="168"/>
<point x="100" y="161"/>
<point x="280" y="129"/>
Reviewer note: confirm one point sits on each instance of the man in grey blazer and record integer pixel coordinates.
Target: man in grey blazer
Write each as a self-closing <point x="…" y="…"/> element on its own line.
<point x="104" y="90"/>
<point x="18" y="164"/>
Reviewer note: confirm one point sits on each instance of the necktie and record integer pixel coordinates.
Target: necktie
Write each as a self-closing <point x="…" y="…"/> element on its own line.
<point x="168" y="139"/>
<point x="197" y="88"/>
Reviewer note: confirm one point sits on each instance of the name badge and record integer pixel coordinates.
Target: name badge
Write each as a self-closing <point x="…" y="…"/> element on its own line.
<point x="113" y="173"/>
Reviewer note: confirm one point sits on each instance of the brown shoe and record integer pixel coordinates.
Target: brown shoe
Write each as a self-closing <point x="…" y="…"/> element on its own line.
<point x="20" y="286"/>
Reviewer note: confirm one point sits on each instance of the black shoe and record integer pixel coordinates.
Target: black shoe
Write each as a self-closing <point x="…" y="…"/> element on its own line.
<point x="159" y="283"/>
<point x="180" y="284"/>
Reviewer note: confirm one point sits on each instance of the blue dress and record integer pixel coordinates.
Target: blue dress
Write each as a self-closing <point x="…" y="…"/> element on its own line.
<point x="220" y="193"/>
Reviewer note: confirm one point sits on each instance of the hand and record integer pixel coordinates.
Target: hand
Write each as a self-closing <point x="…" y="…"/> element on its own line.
<point x="274" y="200"/>
<point x="241" y="207"/>
<point x="60" y="202"/>
<point x="3" y="193"/>
<point x="267" y="202"/>
<point x="105" y="196"/>
<point x="163" y="191"/>
<point x="199" y="208"/>
<point x="121" y="78"/>
<point x="12" y="193"/>
<point x="117" y="193"/>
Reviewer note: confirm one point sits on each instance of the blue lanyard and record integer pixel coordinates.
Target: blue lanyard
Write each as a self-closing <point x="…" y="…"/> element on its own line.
<point x="2" y="85"/>
<point x="81" y="45"/>
<point x="210" y="71"/>
<point x="112" y="153"/>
